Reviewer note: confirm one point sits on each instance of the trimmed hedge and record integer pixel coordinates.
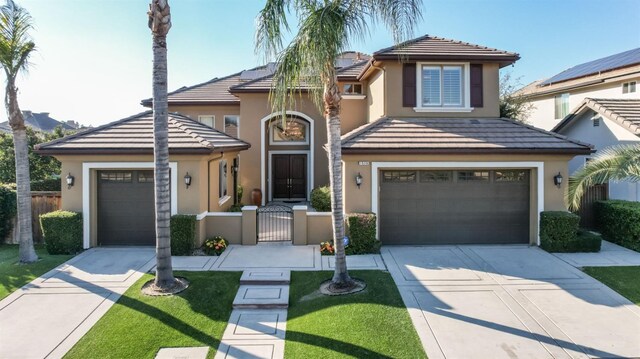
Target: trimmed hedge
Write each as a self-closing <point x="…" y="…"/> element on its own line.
<point x="321" y="199"/>
<point x="619" y="222"/>
<point x="559" y="233"/>
<point x="362" y="234"/>
<point x="183" y="234"/>
<point x="49" y="184"/>
<point x="62" y="232"/>
<point x="8" y="209"/>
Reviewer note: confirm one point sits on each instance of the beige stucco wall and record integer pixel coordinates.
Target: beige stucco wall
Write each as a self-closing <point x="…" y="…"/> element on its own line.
<point x="353" y="111"/>
<point x="359" y="199"/>
<point x="228" y="226"/>
<point x="319" y="229"/>
<point x="375" y="95"/>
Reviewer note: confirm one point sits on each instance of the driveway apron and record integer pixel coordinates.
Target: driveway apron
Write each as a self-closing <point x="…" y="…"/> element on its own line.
<point x="510" y="302"/>
<point x="45" y="318"/>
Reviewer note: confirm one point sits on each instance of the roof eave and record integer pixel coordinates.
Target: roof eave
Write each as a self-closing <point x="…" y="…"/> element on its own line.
<point x="504" y="60"/>
<point x="403" y="151"/>
<point x="132" y="151"/>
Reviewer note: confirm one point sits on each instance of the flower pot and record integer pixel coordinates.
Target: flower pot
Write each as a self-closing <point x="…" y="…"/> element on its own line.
<point x="256" y="197"/>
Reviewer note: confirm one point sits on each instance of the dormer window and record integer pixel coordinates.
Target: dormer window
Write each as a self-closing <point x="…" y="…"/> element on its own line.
<point x="442" y="88"/>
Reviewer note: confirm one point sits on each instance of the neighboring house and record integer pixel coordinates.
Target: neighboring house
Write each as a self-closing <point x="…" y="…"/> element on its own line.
<point x="605" y="123"/>
<point x="40" y="122"/>
<point x="615" y="76"/>
<point x="421" y="132"/>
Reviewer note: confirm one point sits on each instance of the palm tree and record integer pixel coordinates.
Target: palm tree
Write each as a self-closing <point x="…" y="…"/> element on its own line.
<point x="618" y="163"/>
<point x="160" y="23"/>
<point x="15" y="48"/>
<point x="326" y="29"/>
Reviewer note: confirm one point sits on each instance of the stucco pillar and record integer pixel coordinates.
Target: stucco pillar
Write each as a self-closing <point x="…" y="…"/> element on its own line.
<point x="300" y="225"/>
<point x="249" y="234"/>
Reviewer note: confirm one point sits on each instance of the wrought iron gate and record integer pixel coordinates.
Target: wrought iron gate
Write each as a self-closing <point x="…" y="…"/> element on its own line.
<point x="587" y="213"/>
<point x="274" y="223"/>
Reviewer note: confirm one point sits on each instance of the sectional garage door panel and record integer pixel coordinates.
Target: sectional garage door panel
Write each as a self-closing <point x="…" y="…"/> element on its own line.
<point x="126" y="213"/>
<point x="454" y="207"/>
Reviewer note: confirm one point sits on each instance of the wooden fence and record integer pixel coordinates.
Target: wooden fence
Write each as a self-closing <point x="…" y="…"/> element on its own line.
<point x="41" y="203"/>
<point x="587" y="211"/>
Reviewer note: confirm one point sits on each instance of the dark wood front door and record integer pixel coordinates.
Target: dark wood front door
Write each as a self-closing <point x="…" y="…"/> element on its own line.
<point x="289" y="177"/>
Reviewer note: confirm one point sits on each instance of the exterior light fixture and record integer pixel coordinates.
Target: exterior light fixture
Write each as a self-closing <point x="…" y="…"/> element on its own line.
<point x="70" y="179"/>
<point x="187" y="180"/>
<point x="358" y="179"/>
<point x="557" y="180"/>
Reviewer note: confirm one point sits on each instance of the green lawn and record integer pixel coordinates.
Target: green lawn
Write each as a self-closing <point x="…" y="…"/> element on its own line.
<point x="624" y="280"/>
<point x="14" y="275"/>
<point x="370" y="324"/>
<point x="137" y="326"/>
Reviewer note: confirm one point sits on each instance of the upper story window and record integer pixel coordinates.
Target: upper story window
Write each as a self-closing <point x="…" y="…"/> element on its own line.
<point x="561" y="106"/>
<point x="293" y="131"/>
<point x="232" y="125"/>
<point x="208" y="120"/>
<point x="629" y="87"/>
<point x="442" y="87"/>
<point x="352" y="89"/>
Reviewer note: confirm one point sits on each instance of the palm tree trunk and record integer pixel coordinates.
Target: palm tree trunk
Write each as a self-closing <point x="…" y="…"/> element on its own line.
<point x="332" y="116"/>
<point x="164" y="272"/>
<point x="23" y="181"/>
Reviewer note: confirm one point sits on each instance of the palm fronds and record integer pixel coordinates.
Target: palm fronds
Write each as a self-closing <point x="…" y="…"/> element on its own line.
<point x="15" y="42"/>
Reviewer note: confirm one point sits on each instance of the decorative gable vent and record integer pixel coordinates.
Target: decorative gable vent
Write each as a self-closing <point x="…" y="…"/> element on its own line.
<point x="596" y="121"/>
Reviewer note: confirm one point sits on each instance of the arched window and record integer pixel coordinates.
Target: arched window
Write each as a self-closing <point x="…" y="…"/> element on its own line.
<point x="292" y="131"/>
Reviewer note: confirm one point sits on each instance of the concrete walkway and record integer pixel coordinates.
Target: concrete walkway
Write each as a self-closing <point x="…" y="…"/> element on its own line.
<point x="510" y="302"/>
<point x="610" y="255"/>
<point x="45" y="318"/>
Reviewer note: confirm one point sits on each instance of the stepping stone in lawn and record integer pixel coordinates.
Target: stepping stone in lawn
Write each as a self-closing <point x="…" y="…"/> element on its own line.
<point x="183" y="353"/>
<point x="262" y="297"/>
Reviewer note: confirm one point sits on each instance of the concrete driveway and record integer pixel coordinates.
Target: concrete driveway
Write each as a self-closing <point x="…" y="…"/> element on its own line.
<point x="510" y="302"/>
<point x="48" y="316"/>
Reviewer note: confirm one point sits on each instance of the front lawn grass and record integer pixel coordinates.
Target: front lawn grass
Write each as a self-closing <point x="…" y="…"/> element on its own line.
<point x="371" y="324"/>
<point x="14" y="275"/>
<point x="137" y="326"/>
<point x="624" y="280"/>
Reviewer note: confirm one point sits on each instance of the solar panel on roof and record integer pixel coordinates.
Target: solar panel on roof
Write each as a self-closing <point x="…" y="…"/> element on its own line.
<point x="592" y="67"/>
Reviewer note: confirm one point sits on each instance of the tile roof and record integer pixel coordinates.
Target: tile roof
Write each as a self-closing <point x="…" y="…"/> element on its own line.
<point x="437" y="48"/>
<point x="135" y="135"/>
<point x="38" y="121"/>
<point x="447" y="135"/>
<point x="608" y="63"/>
<point x="213" y="91"/>
<point x="626" y="112"/>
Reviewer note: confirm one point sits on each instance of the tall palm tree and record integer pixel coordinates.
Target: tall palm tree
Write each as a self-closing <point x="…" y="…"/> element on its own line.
<point x="326" y="29"/>
<point x="618" y="163"/>
<point x="15" y="48"/>
<point x="160" y="23"/>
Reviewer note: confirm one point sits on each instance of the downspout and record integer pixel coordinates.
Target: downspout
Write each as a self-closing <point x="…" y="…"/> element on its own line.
<point x="209" y="180"/>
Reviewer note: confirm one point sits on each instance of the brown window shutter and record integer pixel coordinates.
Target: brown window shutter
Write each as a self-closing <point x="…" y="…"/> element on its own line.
<point x="409" y="85"/>
<point x="476" y="85"/>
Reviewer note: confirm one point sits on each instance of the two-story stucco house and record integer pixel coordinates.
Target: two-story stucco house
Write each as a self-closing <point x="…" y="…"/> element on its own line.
<point x="421" y="132"/>
<point x="597" y="102"/>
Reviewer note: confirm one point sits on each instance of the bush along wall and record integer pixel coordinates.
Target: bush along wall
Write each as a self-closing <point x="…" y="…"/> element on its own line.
<point x="559" y="233"/>
<point x="183" y="234"/>
<point x="8" y="210"/>
<point x="619" y="222"/>
<point x="321" y="199"/>
<point x="362" y="234"/>
<point x="62" y="232"/>
<point x="49" y="184"/>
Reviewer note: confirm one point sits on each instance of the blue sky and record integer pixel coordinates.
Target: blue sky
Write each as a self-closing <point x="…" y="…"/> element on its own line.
<point x="93" y="63"/>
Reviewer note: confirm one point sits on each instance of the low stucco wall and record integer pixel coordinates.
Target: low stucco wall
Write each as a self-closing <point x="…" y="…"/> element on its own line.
<point x="225" y="224"/>
<point x="319" y="227"/>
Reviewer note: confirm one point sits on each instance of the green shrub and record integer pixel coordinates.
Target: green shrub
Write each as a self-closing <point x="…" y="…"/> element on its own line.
<point x="62" y="232"/>
<point x="588" y="241"/>
<point x="321" y="199"/>
<point x="362" y="234"/>
<point x="557" y="229"/>
<point x="8" y="210"/>
<point x="183" y="234"/>
<point x="619" y="222"/>
<point x="236" y="207"/>
<point x="49" y="184"/>
<point x="239" y="193"/>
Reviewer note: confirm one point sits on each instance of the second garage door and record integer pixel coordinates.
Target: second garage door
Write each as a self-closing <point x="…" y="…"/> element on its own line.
<point x="454" y="206"/>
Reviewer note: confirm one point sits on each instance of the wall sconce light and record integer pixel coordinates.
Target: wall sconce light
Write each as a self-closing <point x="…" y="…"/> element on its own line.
<point x="70" y="179"/>
<point x="187" y="180"/>
<point x="358" y="179"/>
<point x="557" y="180"/>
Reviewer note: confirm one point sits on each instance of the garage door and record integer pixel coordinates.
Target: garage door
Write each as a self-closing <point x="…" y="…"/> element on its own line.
<point x="454" y="207"/>
<point x="126" y="208"/>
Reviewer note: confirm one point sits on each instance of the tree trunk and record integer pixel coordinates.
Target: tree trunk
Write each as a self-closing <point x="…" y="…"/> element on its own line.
<point x="332" y="116"/>
<point x="23" y="180"/>
<point x="159" y="22"/>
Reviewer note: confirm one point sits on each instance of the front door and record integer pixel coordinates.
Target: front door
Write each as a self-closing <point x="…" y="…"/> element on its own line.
<point x="289" y="177"/>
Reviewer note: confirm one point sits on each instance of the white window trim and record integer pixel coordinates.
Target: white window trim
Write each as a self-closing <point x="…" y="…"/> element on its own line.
<point x="86" y="190"/>
<point x="353" y="97"/>
<point x="224" y="124"/>
<point x="213" y="121"/>
<point x="377" y="166"/>
<point x="223" y="200"/>
<point x="466" y="88"/>
<point x="290" y="143"/>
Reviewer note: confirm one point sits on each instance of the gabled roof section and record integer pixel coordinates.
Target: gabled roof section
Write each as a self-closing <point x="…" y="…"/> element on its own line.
<point x="429" y="47"/>
<point x="447" y="135"/>
<point x="215" y="91"/>
<point x="625" y="112"/>
<point x="39" y="122"/>
<point x="134" y="135"/>
<point x="623" y="59"/>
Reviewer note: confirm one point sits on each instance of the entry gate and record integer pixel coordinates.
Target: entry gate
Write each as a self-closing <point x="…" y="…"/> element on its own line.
<point x="274" y="223"/>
